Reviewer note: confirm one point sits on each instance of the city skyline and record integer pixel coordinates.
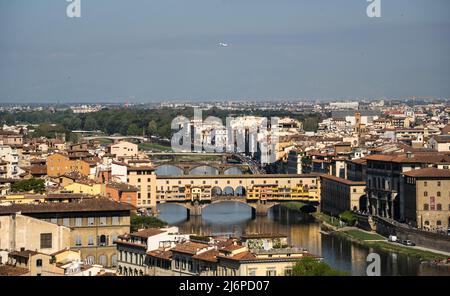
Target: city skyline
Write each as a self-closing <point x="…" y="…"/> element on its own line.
<point x="158" y="51"/>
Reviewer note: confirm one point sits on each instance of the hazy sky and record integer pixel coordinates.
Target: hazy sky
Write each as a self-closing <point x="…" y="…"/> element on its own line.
<point x="147" y="50"/>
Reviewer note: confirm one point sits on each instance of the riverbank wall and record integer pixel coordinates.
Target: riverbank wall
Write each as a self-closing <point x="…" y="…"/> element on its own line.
<point x="421" y="238"/>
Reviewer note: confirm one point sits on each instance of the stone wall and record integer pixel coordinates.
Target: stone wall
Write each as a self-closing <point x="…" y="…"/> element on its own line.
<point x="419" y="237"/>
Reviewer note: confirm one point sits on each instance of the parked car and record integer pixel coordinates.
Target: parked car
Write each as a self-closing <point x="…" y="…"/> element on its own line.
<point x="407" y="242"/>
<point x="393" y="238"/>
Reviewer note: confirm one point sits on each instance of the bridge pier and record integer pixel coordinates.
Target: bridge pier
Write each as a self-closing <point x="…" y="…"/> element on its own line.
<point x="194" y="209"/>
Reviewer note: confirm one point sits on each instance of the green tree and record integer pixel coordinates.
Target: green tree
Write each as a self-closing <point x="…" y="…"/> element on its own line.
<point x="310" y="266"/>
<point x="133" y="130"/>
<point x="90" y="124"/>
<point x="142" y="222"/>
<point x="30" y="185"/>
<point x="152" y="127"/>
<point x="348" y="217"/>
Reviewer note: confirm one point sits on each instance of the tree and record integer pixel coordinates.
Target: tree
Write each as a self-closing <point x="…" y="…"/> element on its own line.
<point x="152" y="127"/>
<point x="142" y="222"/>
<point x="133" y="130"/>
<point x="90" y="124"/>
<point x="310" y="266"/>
<point x="348" y="217"/>
<point x="30" y="185"/>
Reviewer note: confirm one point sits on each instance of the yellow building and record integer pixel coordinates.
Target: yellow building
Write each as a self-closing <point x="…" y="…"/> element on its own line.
<point x="86" y="187"/>
<point x="22" y="198"/>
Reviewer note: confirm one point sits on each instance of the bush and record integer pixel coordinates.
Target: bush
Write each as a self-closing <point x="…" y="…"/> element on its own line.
<point x="348" y="217"/>
<point x="142" y="222"/>
<point x="30" y="185"/>
<point x="310" y="266"/>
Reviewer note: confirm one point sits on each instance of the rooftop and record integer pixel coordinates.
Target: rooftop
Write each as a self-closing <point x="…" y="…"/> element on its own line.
<point x="85" y="205"/>
<point x="429" y="172"/>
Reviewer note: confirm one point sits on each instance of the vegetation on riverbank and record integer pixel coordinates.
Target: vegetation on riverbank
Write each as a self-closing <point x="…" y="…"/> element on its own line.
<point x="142" y="222"/>
<point x="363" y="236"/>
<point x="372" y="240"/>
<point x="327" y="219"/>
<point x="309" y="266"/>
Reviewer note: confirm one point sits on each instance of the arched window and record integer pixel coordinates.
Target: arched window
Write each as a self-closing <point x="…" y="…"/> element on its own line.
<point x="102" y="260"/>
<point x="103" y="240"/>
<point x="439" y="207"/>
<point x="427" y="223"/>
<point x="426" y="207"/>
<point x="114" y="260"/>
<point x="90" y="260"/>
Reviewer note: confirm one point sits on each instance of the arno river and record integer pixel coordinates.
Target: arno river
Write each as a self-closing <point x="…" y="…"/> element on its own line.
<point x="302" y="231"/>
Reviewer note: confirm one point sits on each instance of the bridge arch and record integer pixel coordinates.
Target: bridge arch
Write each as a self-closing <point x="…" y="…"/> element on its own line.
<point x="240" y="191"/>
<point x="204" y="169"/>
<point x="216" y="191"/>
<point x="228" y="190"/>
<point x="169" y="170"/>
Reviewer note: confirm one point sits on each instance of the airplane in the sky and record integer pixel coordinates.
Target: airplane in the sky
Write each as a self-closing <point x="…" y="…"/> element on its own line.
<point x="223" y="44"/>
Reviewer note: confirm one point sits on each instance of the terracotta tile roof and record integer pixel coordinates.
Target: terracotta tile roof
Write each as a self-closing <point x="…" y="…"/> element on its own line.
<point x="147" y="232"/>
<point x="421" y="157"/>
<point x="343" y="181"/>
<point x="189" y="247"/>
<point x="162" y="254"/>
<point x="210" y="256"/>
<point x="122" y="186"/>
<point x="24" y="254"/>
<point x="429" y="172"/>
<point x="86" y="205"/>
<point x="358" y="161"/>
<point x="9" y="270"/>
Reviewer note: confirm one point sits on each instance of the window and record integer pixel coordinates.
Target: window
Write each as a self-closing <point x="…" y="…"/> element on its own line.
<point x="252" y="271"/>
<point x="90" y="260"/>
<point x="288" y="271"/>
<point x="39" y="263"/>
<point x="439" y="207"/>
<point x="91" y="221"/>
<point x="426" y="207"/>
<point x="438" y="223"/>
<point x="114" y="260"/>
<point x="438" y="193"/>
<point x="103" y="240"/>
<point x="271" y="272"/>
<point x="46" y="240"/>
<point x="54" y="220"/>
<point x="102" y="260"/>
<point x="78" y="222"/>
<point x="66" y="222"/>
<point x="78" y="240"/>
<point x="439" y="183"/>
<point x="103" y="221"/>
<point x="427" y="223"/>
<point x="425" y="184"/>
<point x="115" y="220"/>
<point x="177" y="263"/>
<point x="425" y="193"/>
<point x="90" y="240"/>
<point x="354" y="190"/>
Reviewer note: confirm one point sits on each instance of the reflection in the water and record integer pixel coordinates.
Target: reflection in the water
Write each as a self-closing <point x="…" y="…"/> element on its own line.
<point x="235" y="218"/>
